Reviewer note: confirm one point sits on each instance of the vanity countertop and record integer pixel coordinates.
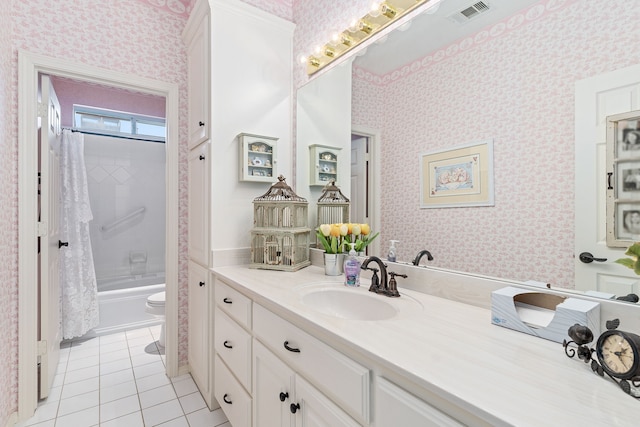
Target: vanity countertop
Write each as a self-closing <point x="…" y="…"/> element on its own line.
<point x="452" y="349"/>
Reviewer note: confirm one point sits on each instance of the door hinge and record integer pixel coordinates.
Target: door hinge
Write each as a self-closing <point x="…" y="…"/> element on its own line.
<point x="42" y="347"/>
<point x="42" y="229"/>
<point x="42" y="110"/>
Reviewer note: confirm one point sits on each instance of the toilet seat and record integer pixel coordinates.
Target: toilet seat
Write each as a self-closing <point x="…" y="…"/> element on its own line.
<point x="156" y="300"/>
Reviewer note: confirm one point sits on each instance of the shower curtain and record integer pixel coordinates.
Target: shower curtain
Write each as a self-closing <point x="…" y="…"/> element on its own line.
<point x="79" y="289"/>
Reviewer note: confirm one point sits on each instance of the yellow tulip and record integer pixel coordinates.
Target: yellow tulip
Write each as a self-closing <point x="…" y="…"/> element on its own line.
<point x="356" y="230"/>
<point x="350" y="227"/>
<point x="335" y="230"/>
<point x="344" y="229"/>
<point x="365" y="229"/>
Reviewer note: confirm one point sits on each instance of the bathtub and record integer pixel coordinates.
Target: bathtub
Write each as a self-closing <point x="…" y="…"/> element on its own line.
<point x="122" y="307"/>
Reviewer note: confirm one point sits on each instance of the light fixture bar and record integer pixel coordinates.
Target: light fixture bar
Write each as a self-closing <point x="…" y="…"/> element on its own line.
<point x="382" y="15"/>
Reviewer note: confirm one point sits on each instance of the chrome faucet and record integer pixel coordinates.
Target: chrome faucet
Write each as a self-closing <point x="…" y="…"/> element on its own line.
<point x="421" y="254"/>
<point x="376" y="286"/>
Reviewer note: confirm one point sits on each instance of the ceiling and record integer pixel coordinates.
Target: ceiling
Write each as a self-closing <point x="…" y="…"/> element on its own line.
<point x="429" y="32"/>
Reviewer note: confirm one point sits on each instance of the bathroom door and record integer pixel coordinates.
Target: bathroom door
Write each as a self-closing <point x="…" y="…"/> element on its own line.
<point x="359" y="196"/>
<point x="596" y="98"/>
<point x="49" y="314"/>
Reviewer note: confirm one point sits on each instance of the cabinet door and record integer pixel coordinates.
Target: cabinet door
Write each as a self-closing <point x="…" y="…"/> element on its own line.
<point x="198" y="84"/>
<point x="396" y="407"/>
<point x="315" y="409"/>
<point x="199" y="196"/>
<point x="258" y="158"/>
<point x="273" y="390"/>
<point x="199" y="324"/>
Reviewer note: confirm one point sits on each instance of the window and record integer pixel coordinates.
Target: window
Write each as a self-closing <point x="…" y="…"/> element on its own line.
<point x="117" y="123"/>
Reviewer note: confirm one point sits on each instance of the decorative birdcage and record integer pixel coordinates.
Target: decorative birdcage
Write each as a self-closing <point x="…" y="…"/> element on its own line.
<point x="333" y="206"/>
<point x="280" y="234"/>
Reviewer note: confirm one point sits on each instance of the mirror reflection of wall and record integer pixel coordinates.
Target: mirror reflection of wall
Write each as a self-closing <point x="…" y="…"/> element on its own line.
<point x="513" y="82"/>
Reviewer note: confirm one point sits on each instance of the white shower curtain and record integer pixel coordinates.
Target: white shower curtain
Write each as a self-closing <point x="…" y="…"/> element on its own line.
<point x="79" y="290"/>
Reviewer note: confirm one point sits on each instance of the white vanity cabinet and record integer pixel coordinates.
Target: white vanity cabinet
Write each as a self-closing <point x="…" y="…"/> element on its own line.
<point x="395" y="406"/>
<point x="199" y="195"/>
<point x="324" y="164"/>
<point x="196" y="38"/>
<point x="200" y="332"/>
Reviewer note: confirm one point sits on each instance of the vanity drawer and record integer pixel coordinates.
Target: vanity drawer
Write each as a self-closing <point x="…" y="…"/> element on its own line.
<point x="234" y="401"/>
<point x="339" y="377"/>
<point x="233" y="303"/>
<point x="233" y="344"/>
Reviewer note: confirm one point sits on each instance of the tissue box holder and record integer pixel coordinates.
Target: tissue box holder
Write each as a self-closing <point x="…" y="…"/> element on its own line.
<point x="510" y="305"/>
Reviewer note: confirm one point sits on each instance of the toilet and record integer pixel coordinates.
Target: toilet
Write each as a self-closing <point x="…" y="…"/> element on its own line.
<point x="155" y="307"/>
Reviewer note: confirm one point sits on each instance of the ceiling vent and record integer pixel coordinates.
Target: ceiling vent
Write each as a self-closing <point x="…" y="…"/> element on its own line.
<point x="470" y="12"/>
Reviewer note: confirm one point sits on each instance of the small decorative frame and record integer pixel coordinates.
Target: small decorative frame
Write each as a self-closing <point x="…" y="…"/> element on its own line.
<point x="623" y="179"/>
<point x="458" y="176"/>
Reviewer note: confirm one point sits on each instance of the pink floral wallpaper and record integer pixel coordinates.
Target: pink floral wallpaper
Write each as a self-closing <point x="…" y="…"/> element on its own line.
<point x="513" y="83"/>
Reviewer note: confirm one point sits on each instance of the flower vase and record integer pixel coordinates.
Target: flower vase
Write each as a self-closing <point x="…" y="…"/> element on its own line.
<point x="333" y="264"/>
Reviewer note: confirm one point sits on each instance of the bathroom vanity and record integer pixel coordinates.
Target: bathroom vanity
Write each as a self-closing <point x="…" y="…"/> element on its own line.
<point x="298" y="348"/>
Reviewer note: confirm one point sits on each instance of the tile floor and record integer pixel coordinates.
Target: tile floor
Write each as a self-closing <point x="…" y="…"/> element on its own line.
<point x="119" y="381"/>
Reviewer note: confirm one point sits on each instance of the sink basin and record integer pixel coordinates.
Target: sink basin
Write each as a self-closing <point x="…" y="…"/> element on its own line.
<point x="346" y="303"/>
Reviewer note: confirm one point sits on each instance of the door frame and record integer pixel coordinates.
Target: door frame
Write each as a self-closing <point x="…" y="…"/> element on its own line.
<point x="373" y="135"/>
<point x="29" y="66"/>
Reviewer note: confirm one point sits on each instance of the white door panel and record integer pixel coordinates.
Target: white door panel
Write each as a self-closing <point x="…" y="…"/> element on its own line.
<point x="596" y="98"/>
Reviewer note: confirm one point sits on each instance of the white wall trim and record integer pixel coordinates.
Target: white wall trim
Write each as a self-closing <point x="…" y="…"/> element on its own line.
<point x="29" y="66"/>
<point x="374" y="180"/>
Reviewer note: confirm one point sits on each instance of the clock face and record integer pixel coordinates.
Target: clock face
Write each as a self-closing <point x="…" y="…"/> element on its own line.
<point x="618" y="354"/>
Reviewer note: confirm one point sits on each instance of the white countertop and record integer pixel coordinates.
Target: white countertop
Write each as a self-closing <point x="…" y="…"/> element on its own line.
<point x="452" y="349"/>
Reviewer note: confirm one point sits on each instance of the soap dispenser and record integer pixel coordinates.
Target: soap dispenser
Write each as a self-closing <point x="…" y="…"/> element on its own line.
<point x="391" y="257"/>
<point x="352" y="268"/>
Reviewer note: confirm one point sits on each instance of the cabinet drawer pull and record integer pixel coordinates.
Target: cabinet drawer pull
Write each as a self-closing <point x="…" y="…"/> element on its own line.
<point x="226" y="344"/>
<point x="226" y="400"/>
<point x="291" y="349"/>
<point x="294" y="407"/>
<point x="200" y="123"/>
<point x="227" y="301"/>
<point x="201" y="157"/>
<point x="201" y="284"/>
<point x="283" y="396"/>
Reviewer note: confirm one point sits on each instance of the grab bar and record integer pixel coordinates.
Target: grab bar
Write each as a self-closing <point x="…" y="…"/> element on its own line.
<point x="123" y="219"/>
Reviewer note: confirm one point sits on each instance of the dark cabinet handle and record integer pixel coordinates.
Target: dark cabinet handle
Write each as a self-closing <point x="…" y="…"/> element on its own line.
<point x="226" y="400"/>
<point x="201" y="157"/>
<point x="587" y="258"/>
<point x="291" y="349"/>
<point x="200" y="123"/>
<point x="609" y="186"/>
<point x="227" y="301"/>
<point x="226" y="344"/>
<point x="201" y="284"/>
<point x="283" y="396"/>
<point x="294" y="407"/>
<point x="61" y="244"/>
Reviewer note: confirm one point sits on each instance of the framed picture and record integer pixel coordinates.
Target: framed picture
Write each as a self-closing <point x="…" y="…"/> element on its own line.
<point x="623" y="179"/>
<point x="458" y="176"/>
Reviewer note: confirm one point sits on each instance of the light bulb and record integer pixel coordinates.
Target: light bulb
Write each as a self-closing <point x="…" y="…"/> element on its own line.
<point x="375" y="9"/>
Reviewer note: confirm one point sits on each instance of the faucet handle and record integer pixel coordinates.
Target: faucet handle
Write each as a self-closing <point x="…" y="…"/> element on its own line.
<point x="393" y="285"/>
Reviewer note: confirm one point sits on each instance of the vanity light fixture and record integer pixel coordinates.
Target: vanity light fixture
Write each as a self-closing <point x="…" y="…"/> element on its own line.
<point x="381" y="15"/>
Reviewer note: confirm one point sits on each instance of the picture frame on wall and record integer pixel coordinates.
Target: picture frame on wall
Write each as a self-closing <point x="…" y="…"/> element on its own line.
<point x="623" y="179"/>
<point x="458" y="176"/>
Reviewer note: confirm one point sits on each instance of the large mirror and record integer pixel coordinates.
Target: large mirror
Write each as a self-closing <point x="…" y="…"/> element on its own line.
<point x="504" y="71"/>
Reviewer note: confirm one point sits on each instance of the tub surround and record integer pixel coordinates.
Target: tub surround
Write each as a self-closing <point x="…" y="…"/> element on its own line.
<point x="449" y="354"/>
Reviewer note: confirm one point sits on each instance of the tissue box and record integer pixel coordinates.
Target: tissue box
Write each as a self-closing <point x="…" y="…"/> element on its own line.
<point x="541" y="314"/>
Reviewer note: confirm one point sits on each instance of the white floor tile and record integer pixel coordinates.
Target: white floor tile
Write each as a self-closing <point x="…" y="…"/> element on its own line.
<point x="86" y="418"/>
<point x="112" y="356"/>
<point x="79" y="403"/>
<point x="156" y="396"/>
<point x="90" y="342"/>
<point x="45" y="412"/>
<point x="185" y="386"/>
<point x="131" y="420"/>
<point x="162" y="413"/>
<point x="118" y="391"/>
<point x="113" y="346"/>
<point x="116" y="378"/>
<point x="84" y="362"/>
<point x="115" y="366"/>
<point x="206" y="418"/>
<point x="145" y="358"/>
<point x="140" y="341"/>
<point x="192" y="402"/>
<point x="82" y="374"/>
<point x="58" y="379"/>
<point x="106" y="339"/>
<point x="119" y="408"/>
<point x="148" y="369"/>
<point x="54" y="395"/>
<point x="149" y="348"/>
<point x="80" y="387"/>
<point x="78" y="353"/>
<point x="178" y="422"/>
<point x="50" y="423"/>
<point x="137" y="333"/>
<point x="152" y="381"/>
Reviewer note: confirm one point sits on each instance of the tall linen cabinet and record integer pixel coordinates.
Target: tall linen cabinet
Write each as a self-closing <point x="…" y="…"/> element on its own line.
<point x="239" y="61"/>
